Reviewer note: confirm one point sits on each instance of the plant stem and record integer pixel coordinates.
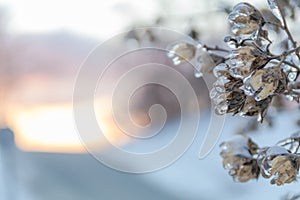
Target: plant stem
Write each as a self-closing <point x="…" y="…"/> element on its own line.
<point x="216" y="48"/>
<point x="290" y="37"/>
<point x="286" y="53"/>
<point x="290" y="64"/>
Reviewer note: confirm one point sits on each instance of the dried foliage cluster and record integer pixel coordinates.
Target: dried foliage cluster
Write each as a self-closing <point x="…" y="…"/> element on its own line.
<point x="244" y="160"/>
<point x="254" y="69"/>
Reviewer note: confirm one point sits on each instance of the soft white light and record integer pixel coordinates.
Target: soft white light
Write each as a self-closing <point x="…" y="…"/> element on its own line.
<point x="101" y="19"/>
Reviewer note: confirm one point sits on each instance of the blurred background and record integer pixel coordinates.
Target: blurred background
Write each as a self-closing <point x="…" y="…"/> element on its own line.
<point x="42" y="46"/>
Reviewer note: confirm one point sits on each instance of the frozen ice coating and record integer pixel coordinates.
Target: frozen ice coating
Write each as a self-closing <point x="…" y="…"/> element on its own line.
<point x="220" y="70"/>
<point x="231" y="42"/>
<point x="245" y="19"/>
<point x="205" y="61"/>
<point x="266" y="82"/>
<point x="296" y="136"/>
<point x="238" y="146"/>
<point x="241" y="62"/>
<point x="279" y="163"/>
<point x="237" y="159"/>
<point x="274" y="5"/>
<point x="181" y="52"/>
<point x="201" y="72"/>
<point x="276" y="150"/>
<point x="247" y="87"/>
<point x="250" y="73"/>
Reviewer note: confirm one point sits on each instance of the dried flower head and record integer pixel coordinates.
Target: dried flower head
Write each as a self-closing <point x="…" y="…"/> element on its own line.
<point x="285" y="169"/>
<point x="181" y="52"/>
<point x="252" y="107"/>
<point x="245" y="19"/>
<point x="237" y="159"/>
<point x="279" y="163"/>
<point x="249" y="98"/>
<point x="226" y="95"/>
<point x="248" y="76"/>
<point x="265" y="82"/>
<point x="244" y="60"/>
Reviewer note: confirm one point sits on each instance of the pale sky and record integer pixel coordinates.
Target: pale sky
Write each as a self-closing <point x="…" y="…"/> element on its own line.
<point x="95" y="18"/>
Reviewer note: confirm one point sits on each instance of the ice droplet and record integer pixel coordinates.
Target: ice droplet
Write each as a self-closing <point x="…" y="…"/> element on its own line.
<point x="296" y="91"/>
<point x="220" y="84"/>
<point x="248" y="89"/>
<point x="265" y="158"/>
<point x="219" y="99"/>
<point x="197" y="74"/>
<point x="292" y="76"/>
<point x="291" y="72"/>
<point x="231" y="42"/>
<point x="231" y="171"/>
<point x="238" y="72"/>
<point x="213" y="93"/>
<point x="220" y="69"/>
<point x="259" y="117"/>
<point x="289" y="97"/>
<point x="221" y="109"/>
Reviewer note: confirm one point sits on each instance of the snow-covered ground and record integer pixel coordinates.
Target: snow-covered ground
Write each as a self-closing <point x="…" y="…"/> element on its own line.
<point x="43" y="176"/>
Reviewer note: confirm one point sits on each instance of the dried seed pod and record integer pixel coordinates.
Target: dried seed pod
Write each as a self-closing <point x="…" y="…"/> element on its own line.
<point x="245" y="19"/>
<point x="285" y="169"/>
<point x="235" y="101"/>
<point x="226" y="95"/>
<point x="181" y="52"/>
<point x="244" y="60"/>
<point x="265" y="82"/>
<point x="238" y="160"/>
<point x="279" y="163"/>
<point x="252" y="107"/>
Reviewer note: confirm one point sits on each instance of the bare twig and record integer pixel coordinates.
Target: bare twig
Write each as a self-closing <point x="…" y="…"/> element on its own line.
<point x="216" y="48"/>
<point x="290" y="36"/>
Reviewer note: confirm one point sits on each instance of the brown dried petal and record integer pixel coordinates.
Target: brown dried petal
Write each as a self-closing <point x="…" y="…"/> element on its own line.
<point x="244" y="60"/>
<point x="267" y="81"/>
<point x="241" y="168"/>
<point x="253" y="108"/>
<point x="285" y="170"/>
<point x="221" y="70"/>
<point x="235" y="101"/>
<point x="237" y="158"/>
<point x="248" y="171"/>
